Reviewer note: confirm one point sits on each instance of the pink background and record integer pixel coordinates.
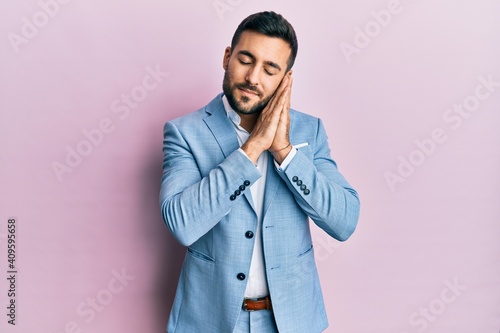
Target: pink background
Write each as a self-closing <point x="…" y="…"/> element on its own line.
<point x="425" y="257"/>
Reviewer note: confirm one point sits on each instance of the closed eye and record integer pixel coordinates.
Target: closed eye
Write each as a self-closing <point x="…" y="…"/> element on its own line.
<point x="269" y="73"/>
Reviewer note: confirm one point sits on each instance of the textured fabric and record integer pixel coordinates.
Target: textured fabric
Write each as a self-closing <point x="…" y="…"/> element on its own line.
<point x="202" y="170"/>
<point x="257" y="282"/>
<point x="256" y="322"/>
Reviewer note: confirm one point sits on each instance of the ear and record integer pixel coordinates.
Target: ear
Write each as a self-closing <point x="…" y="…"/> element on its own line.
<point x="227" y="56"/>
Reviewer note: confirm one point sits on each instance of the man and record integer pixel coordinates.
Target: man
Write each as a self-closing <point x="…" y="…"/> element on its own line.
<point x="241" y="176"/>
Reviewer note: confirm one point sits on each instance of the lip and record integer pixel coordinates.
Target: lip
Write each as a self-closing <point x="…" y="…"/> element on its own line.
<point x="248" y="92"/>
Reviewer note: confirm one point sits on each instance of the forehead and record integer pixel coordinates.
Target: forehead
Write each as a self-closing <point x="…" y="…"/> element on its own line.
<point x="264" y="48"/>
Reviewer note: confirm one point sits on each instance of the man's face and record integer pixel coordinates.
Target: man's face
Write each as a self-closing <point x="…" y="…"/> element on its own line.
<point x="254" y="70"/>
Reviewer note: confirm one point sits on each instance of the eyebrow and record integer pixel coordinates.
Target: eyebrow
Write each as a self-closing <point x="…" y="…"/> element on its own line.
<point x="270" y="63"/>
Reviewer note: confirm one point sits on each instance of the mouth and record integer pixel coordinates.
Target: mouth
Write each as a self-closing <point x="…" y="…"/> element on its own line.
<point x="248" y="92"/>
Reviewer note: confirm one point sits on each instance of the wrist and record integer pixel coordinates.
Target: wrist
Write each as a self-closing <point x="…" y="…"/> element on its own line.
<point x="280" y="154"/>
<point x="279" y="150"/>
<point x="252" y="151"/>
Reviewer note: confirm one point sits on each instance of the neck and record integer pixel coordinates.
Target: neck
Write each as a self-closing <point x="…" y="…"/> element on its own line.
<point x="248" y="121"/>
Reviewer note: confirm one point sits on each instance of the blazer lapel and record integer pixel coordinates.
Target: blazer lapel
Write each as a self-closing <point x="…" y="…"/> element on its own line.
<point x="223" y="131"/>
<point x="221" y="126"/>
<point x="272" y="183"/>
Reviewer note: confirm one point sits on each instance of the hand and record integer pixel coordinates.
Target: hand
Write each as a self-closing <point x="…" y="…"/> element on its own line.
<point x="281" y="145"/>
<point x="274" y="116"/>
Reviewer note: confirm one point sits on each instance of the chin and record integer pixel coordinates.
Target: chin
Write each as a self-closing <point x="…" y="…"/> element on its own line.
<point x="246" y="110"/>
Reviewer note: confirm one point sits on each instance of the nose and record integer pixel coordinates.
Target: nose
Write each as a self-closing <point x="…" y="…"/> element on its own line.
<point x="253" y="76"/>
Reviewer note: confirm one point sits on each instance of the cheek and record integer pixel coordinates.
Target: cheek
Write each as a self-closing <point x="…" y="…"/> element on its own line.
<point x="236" y="73"/>
<point x="270" y="86"/>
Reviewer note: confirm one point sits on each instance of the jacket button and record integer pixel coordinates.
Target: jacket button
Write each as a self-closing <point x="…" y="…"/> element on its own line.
<point x="303" y="187"/>
<point x="248" y="234"/>
<point x="242" y="187"/>
<point x="295" y="178"/>
<point x="306" y="191"/>
<point x="232" y="197"/>
<point x="237" y="192"/>
<point x="299" y="182"/>
<point x="246" y="183"/>
<point x="241" y="276"/>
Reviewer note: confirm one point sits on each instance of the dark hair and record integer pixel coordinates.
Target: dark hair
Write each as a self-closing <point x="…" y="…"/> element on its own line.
<point x="270" y="24"/>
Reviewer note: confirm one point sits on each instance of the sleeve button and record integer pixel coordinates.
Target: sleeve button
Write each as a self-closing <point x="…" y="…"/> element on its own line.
<point x="306" y="191"/>
<point x="246" y="183"/>
<point x="232" y="197"/>
<point x="242" y="187"/>
<point x="299" y="182"/>
<point x="295" y="178"/>
<point x="303" y="187"/>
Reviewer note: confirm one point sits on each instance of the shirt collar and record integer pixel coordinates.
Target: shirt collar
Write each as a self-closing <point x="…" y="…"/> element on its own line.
<point x="231" y="114"/>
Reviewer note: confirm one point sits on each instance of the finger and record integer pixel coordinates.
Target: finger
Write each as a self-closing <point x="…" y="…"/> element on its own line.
<point x="290" y="92"/>
<point x="271" y="113"/>
<point x="274" y="101"/>
<point x="284" y="116"/>
<point x="282" y="131"/>
<point x="285" y="113"/>
<point x="283" y="92"/>
<point x="274" y="107"/>
<point x="282" y="102"/>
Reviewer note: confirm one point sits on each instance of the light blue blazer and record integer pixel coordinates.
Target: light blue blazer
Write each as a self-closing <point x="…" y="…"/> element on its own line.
<point x="202" y="175"/>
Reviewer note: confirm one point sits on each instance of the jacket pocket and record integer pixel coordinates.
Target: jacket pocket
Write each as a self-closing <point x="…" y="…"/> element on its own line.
<point x="307" y="251"/>
<point x="200" y="255"/>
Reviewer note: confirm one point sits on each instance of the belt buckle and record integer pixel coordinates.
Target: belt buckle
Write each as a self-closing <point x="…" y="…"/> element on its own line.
<point x="245" y="307"/>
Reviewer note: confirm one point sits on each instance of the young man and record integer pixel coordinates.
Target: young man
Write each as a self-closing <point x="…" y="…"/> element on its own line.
<point x="241" y="177"/>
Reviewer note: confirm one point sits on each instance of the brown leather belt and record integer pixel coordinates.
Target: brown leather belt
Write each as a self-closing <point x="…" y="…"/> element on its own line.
<point x="255" y="304"/>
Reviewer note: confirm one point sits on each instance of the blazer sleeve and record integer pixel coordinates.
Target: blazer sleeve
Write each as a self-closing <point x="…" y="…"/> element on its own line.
<point x="191" y="205"/>
<point x="321" y="191"/>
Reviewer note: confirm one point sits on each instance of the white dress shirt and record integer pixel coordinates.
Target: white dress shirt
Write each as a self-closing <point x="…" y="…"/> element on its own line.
<point x="257" y="281"/>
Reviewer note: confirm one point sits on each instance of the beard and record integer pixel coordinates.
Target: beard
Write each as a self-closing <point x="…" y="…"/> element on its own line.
<point x="243" y="106"/>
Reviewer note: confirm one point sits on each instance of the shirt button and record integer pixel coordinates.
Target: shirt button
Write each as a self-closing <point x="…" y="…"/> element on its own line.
<point x="295" y="178"/>
<point x="232" y="197"/>
<point x="241" y="276"/>
<point x="246" y="183"/>
<point x="306" y="191"/>
<point x="299" y="182"/>
<point x="249" y="234"/>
